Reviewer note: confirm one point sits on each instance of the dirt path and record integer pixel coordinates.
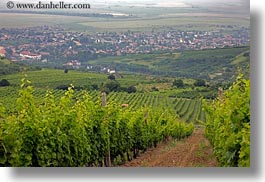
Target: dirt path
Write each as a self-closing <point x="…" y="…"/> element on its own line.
<point x="194" y="151"/>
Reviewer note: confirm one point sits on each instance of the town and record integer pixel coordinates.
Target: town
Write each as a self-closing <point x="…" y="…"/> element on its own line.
<point x="54" y="44"/>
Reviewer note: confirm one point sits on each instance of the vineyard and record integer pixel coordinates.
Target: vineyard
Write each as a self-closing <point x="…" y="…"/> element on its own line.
<point x="189" y="110"/>
<point x="228" y="124"/>
<point x="77" y="131"/>
<point x="43" y="126"/>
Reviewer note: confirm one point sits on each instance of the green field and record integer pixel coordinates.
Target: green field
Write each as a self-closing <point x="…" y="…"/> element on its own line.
<point x="187" y="109"/>
<point x="49" y="79"/>
<point x="206" y="64"/>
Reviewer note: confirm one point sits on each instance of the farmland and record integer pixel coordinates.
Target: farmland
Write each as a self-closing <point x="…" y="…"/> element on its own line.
<point x="83" y="128"/>
<point x="159" y="119"/>
<point x="186" y="64"/>
<point x="188" y="17"/>
<point x="92" y="24"/>
<point x="161" y="84"/>
<point x="48" y="79"/>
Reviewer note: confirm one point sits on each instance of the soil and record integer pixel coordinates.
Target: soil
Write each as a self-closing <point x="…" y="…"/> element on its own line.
<point x="194" y="151"/>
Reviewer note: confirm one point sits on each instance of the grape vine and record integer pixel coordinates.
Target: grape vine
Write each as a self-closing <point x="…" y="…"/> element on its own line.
<point x="228" y="124"/>
<point x="77" y="131"/>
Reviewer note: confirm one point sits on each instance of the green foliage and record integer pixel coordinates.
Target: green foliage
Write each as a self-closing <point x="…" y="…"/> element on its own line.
<point x="131" y="89"/>
<point x="62" y="87"/>
<point x="111" y="77"/>
<point x="112" y="85"/>
<point x="79" y="131"/>
<point x="200" y="83"/>
<point x="228" y="124"/>
<point x="4" y="83"/>
<point x="154" y="89"/>
<point x="8" y="67"/>
<point x="134" y="100"/>
<point x="187" y="64"/>
<point x="178" y="83"/>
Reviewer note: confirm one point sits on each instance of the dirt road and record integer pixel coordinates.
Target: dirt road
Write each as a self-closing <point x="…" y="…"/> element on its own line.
<point x="194" y="151"/>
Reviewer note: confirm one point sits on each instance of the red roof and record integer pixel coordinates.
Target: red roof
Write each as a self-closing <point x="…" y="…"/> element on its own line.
<point x="2" y="51"/>
<point x="28" y="53"/>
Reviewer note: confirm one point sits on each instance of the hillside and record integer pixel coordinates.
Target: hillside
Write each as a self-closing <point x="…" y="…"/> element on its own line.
<point x="213" y="64"/>
<point x="8" y="67"/>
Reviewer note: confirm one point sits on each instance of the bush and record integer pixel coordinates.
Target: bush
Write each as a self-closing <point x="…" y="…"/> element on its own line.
<point x="111" y="77"/>
<point x="200" y="83"/>
<point x="178" y="83"/>
<point x="131" y="89"/>
<point x="112" y="85"/>
<point x="4" y="83"/>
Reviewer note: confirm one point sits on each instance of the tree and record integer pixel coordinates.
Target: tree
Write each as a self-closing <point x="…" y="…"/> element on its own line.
<point x="112" y="85"/>
<point x="131" y="89"/>
<point x="4" y="83"/>
<point x="111" y="77"/>
<point x="200" y="83"/>
<point x="178" y="83"/>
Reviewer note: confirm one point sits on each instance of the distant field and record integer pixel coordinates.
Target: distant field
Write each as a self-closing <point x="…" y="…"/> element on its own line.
<point x="94" y="24"/>
<point x="178" y="22"/>
<point x="51" y="78"/>
<point x="140" y="16"/>
<point x="18" y="20"/>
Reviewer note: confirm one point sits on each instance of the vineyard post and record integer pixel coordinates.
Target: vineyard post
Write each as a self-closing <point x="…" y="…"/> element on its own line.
<point x="220" y="93"/>
<point x="104" y="99"/>
<point x="104" y="103"/>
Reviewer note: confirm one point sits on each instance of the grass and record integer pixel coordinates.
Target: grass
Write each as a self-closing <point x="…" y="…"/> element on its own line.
<point x="50" y="78"/>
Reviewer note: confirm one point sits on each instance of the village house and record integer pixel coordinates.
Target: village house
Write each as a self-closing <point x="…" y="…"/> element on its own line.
<point x="27" y="54"/>
<point x="73" y="63"/>
<point x="2" y="52"/>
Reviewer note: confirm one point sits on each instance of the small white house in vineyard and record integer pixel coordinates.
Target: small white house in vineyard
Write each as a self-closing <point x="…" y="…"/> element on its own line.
<point x="111" y="71"/>
<point x="27" y="54"/>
